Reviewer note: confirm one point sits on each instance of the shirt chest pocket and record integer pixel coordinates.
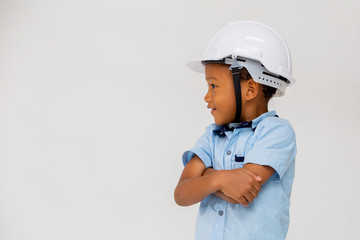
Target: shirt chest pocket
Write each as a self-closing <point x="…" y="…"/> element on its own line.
<point x="238" y="161"/>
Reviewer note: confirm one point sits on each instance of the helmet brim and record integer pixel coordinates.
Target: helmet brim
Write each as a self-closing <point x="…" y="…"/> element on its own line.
<point x="196" y="65"/>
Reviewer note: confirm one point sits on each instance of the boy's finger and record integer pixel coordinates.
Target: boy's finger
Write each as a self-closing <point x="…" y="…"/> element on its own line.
<point x="254" y="192"/>
<point x="249" y="197"/>
<point x="257" y="186"/>
<point x="242" y="200"/>
<point x="252" y="174"/>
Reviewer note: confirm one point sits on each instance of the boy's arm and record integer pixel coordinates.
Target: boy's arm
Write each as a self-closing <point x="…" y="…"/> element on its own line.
<point x="238" y="184"/>
<point x="219" y="193"/>
<point x="264" y="172"/>
<point x="192" y="186"/>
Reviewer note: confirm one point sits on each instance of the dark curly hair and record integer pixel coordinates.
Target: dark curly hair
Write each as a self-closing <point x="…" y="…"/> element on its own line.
<point x="267" y="90"/>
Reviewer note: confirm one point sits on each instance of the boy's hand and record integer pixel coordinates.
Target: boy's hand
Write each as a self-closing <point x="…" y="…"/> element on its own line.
<point x="220" y="194"/>
<point x="240" y="185"/>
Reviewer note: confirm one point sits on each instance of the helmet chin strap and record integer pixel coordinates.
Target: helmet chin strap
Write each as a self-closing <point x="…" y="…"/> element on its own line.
<point x="235" y="69"/>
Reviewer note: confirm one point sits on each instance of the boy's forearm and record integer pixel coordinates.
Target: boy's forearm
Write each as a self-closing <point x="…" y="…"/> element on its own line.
<point x="193" y="190"/>
<point x="219" y="193"/>
<point x="264" y="172"/>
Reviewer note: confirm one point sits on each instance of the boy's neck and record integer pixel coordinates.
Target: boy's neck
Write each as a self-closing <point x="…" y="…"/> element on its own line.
<point x="251" y="112"/>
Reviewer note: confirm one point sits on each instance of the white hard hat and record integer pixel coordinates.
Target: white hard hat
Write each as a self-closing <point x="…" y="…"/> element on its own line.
<point x="263" y="52"/>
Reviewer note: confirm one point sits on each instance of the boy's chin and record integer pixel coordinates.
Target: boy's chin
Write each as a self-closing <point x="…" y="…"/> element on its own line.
<point x="220" y="123"/>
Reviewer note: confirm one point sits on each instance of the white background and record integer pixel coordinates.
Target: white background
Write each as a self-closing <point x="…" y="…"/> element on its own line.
<point x="97" y="107"/>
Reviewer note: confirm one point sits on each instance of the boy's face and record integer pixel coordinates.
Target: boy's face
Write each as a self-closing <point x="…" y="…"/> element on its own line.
<point x="221" y="95"/>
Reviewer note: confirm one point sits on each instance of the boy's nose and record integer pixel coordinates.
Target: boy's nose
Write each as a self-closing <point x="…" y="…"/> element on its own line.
<point x="207" y="97"/>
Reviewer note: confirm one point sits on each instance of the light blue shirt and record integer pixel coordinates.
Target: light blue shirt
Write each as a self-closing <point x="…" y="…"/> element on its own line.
<point x="266" y="140"/>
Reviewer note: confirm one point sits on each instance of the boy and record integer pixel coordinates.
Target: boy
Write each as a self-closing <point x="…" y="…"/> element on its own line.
<point x="242" y="167"/>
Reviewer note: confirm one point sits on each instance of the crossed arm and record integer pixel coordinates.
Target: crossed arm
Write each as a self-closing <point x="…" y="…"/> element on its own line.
<point x="238" y="186"/>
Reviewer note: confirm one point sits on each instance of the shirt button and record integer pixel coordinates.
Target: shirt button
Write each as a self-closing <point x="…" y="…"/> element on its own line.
<point x="228" y="152"/>
<point x="221" y="213"/>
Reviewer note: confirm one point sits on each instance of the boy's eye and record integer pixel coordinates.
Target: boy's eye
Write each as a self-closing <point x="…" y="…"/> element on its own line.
<point x="212" y="85"/>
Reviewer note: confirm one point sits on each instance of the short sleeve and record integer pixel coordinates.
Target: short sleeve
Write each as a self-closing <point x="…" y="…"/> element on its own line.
<point x="274" y="146"/>
<point x="201" y="149"/>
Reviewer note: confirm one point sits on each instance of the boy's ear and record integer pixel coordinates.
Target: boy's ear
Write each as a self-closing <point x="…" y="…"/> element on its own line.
<point x="251" y="89"/>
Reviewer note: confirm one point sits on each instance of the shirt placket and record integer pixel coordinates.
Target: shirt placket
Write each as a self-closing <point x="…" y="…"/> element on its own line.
<point x="228" y="151"/>
<point x="222" y="206"/>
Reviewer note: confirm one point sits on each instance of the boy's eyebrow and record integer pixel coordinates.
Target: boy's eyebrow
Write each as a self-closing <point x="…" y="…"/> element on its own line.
<point x="207" y="79"/>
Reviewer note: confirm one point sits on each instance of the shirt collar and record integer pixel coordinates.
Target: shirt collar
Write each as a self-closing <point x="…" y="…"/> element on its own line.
<point x="257" y="120"/>
<point x="221" y="129"/>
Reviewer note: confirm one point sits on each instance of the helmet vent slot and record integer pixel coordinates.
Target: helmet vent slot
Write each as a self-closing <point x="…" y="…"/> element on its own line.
<point x="277" y="76"/>
<point x="272" y="81"/>
<point x="241" y="60"/>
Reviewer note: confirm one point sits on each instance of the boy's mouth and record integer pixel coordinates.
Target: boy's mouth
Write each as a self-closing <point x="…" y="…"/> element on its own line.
<point x="212" y="109"/>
